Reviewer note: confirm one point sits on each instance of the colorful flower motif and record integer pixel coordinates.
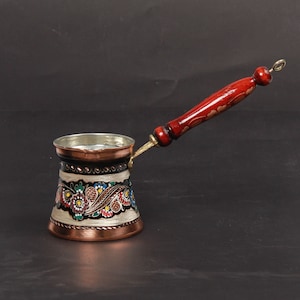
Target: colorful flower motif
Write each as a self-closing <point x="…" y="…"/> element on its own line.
<point x="96" y="214"/>
<point x="79" y="203"/>
<point x="124" y="197"/>
<point x="106" y="212"/>
<point x="79" y="188"/>
<point x="78" y="217"/>
<point x="100" y="187"/>
<point x="66" y="197"/>
<point x="132" y="199"/>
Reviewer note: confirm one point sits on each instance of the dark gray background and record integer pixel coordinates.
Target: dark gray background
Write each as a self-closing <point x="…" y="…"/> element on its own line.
<point x="220" y="205"/>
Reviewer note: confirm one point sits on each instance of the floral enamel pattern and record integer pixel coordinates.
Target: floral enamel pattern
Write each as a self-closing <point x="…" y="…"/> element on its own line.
<point x="95" y="200"/>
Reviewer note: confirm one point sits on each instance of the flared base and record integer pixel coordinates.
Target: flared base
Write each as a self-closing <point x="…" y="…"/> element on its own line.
<point x="95" y="233"/>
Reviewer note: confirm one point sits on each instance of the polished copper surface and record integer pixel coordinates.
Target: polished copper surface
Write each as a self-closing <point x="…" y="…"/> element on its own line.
<point x="94" y="234"/>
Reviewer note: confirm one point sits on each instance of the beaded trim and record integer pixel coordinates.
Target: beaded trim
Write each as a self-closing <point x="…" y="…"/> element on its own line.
<point x="92" y="170"/>
<point x="92" y="227"/>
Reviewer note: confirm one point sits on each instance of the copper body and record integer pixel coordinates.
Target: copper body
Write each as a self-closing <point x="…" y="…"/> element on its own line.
<point x="94" y="199"/>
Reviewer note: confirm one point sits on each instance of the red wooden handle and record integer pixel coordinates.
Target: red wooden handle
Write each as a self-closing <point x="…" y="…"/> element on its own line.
<point x="211" y="106"/>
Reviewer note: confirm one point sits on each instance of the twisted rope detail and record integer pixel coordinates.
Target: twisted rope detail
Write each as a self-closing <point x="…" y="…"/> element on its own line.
<point x="92" y="227"/>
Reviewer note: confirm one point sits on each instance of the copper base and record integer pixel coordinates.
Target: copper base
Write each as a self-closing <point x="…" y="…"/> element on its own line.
<point x="93" y="234"/>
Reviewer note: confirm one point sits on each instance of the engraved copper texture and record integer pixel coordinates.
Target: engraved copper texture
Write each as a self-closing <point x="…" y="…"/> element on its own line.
<point x="94" y="199"/>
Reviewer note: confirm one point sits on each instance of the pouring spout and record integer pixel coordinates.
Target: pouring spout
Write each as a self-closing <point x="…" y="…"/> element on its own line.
<point x="151" y="143"/>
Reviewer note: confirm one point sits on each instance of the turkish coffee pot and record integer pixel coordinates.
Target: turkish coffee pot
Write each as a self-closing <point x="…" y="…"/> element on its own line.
<point x="95" y="199"/>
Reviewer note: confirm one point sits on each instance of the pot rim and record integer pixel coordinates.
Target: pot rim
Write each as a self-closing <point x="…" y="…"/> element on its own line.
<point x="94" y="146"/>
